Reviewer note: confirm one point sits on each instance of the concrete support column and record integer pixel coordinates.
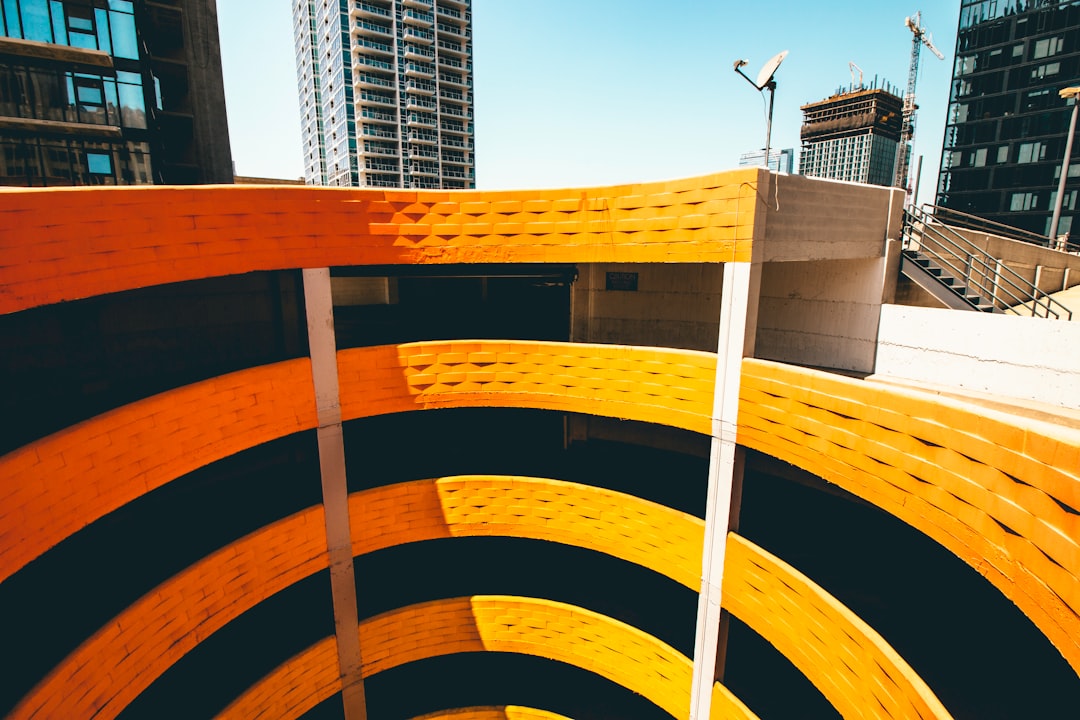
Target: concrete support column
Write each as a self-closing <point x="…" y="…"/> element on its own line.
<point x="738" y="321"/>
<point x="324" y="371"/>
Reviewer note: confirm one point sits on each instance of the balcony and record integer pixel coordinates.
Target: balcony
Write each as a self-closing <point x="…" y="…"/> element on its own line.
<point x="450" y="29"/>
<point x="375" y="46"/>
<point x="449" y="12"/>
<point x="378" y="148"/>
<point x="363" y="9"/>
<point x="363" y="27"/>
<point x="423" y="151"/>
<point x="453" y="79"/>
<point x="422" y="137"/>
<point x="417" y="34"/>
<point x="415" y="102"/>
<point x="421" y="120"/>
<point x="367" y="80"/>
<point x="416" y="52"/>
<point x="419" y="70"/>
<point x="360" y="61"/>
<point x="450" y="141"/>
<point x="382" y="180"/>
<point x="451" y="47"/>
<point x="425" y="87"/>
<point x="451" y="94"/>
<point x="418" y="169"/>
<point x="455" y="111"/>
<point x="378" y="132"/>
<point x="381" y="166"/>
<point x="416" y="17"/>
<point x="377" y="98"/>
<point x="454" y="127"/>
<point x="379" y="116"/>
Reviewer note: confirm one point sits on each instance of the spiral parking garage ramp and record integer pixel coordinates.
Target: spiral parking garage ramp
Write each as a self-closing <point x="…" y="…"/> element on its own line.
<point x="220" y="478"/>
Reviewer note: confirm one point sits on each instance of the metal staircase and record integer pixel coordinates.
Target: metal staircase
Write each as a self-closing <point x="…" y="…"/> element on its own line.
<point x="957" y="272"/>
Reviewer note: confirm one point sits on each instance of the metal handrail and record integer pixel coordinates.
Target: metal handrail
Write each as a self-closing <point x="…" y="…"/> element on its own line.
<point x="974" y="222"/>
<point x="984" y="274"/>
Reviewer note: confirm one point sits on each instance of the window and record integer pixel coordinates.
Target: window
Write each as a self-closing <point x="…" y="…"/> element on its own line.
<point x="99" y="163"/>
<point x="89" y="93"/>
<point x="1003" y="154"/>
<point x="76" y="22"/>
<point x="1045" y="70"/>
<point x="1069" y="201"/>
<point x="1031" y="152"/>
<point x="1023" y="201"/>
<point x="122" y="27"/>
<point x="1047" y="47"/>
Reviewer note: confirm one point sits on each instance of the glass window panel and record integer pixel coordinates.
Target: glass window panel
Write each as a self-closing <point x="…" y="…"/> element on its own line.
<point x="89" y="95"/>
<point x="58" y="22"/>
<point x="112" y="102"/>
<point x="104" y="43"/>
<point x="80" y="18"/>
<point x="124" y="43"/>
<point x="132" y="106"/>
<point x="122" y="5"/>
<point x="12" y="28"/>
<point x="82" y="40"/>
<point x="36" y="23"/>
<point x="57" y="162"/>
<point x="99" y="163"/>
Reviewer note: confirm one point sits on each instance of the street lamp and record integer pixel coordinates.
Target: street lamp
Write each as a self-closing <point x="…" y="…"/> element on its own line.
<point x="765" y="81"/>
<point x="1069" y="92"/>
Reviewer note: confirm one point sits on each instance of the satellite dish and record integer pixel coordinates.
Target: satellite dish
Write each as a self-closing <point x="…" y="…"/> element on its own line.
<point x="769" y="69"/>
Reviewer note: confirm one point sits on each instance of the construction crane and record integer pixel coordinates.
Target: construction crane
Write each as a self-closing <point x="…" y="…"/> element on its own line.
<point x="853" y="67"/>
<point x="920" y="37"/>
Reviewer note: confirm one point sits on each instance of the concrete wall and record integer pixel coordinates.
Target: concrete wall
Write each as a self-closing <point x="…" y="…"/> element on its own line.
<point x="816" y="219"/>
<point x="1056" y="270"/>
<point x="1030" y="359"/>
<point x="674" y="305"/>
<point x="822" y="313"/>
<point x="206" y="88"/>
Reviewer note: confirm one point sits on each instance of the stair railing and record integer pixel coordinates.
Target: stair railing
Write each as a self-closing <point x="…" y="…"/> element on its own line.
<point x="959" y="219"/>
<point x="984" y="274"/>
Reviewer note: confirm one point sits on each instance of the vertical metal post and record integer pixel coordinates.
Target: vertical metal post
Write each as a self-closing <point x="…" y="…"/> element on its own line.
<point x="1064" y="169"/>
<point x="771" y="86"/>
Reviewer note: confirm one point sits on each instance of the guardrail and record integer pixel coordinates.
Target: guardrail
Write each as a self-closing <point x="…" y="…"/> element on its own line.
<point x="979" y="271"/>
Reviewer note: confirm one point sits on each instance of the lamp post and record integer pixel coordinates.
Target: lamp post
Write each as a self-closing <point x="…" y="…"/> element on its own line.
<point x="1069" y="92"/>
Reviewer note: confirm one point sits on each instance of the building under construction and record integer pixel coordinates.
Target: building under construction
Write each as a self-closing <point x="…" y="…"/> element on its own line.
<point x="852" y="135"/>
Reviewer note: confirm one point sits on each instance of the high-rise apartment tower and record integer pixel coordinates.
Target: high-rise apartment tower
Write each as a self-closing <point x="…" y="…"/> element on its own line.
<point x="1007" y="126"/>
<point x="852" y="135"/>
<point x="386" y="94"/>
<point x="111" y="92"/>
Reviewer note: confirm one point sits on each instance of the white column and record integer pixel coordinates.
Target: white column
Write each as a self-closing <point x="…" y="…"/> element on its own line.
<point x="323" y="349"/>
<point x="738" y="321"/>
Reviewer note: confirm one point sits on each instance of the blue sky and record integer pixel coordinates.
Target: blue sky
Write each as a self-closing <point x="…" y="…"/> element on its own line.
<point x="596" y="92"/>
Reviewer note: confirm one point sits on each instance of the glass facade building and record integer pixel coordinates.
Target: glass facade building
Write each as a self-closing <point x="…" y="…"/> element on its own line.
<point x="1007" y="126"/>
<point x="105" y="92"/>
<point x="385" y="90"/>
<point x="853" y="136"/>
<point x="779" y="160"/>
